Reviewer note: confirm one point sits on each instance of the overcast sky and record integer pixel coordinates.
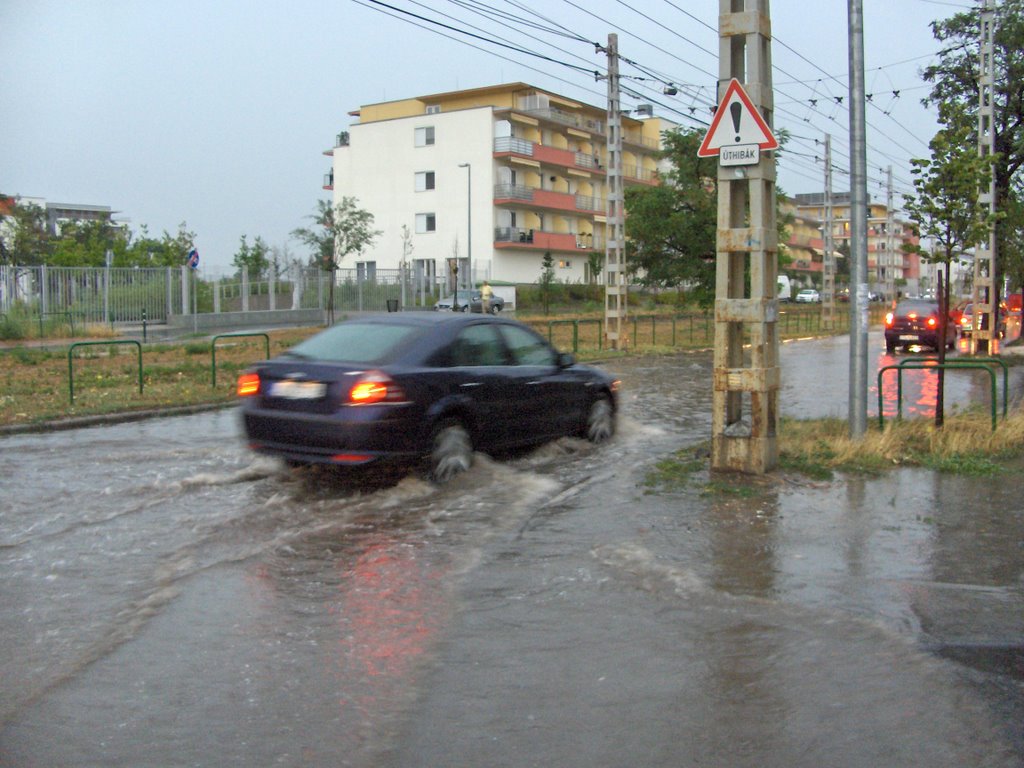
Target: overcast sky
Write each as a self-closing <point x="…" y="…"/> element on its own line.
<point x="217" y="113"/>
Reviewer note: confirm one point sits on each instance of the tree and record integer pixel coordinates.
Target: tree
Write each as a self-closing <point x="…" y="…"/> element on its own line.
<point x="254" y="258"/>
<point x="946" y="209"/>
<point x="341" y="229"/>
<point x="671" y="228"/>
<point x="24" y="239"/>
<point x="547" y="278"/>
<point x="954" y="80"/>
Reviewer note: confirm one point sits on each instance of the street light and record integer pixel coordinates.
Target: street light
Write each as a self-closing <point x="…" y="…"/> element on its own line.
<point x="469" y="225"/>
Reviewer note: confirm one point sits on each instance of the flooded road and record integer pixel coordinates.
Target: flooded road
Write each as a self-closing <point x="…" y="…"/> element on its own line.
<point x="167" y="598"/>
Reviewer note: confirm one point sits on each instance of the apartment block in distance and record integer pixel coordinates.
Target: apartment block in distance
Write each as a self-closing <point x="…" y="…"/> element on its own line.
<point x="889" y="268"/>
<point x="523" y="168"/>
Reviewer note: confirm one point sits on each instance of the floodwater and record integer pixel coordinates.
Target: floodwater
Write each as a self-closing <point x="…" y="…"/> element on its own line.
<point x="168" y="599"/>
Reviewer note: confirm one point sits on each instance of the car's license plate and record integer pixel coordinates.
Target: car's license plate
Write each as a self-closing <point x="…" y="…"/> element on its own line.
<point x="298" y="390"/>
<point x="908" y="338"/>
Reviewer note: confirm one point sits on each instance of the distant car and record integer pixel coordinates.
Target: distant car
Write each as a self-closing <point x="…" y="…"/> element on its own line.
<point x="469" y="301"/>
<point x="808" y="296"/>
<point x="915" y="322"/>
<point x="963" y="315"/>
<point x="416" y="387"/>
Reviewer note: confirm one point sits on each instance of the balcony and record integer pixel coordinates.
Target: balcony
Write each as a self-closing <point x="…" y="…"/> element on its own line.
<point x="510" y="237"/>
<point x="545" y="198"/>
<point x="329" y="180"/>
<point x="565" y="158"/>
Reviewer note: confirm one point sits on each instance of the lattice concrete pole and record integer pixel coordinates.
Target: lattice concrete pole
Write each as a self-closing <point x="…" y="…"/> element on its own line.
<point x="745" y="399"/>
<point x="828" y="266"/>
<point x="985" y="295"/>
<point x="615" y="248"/>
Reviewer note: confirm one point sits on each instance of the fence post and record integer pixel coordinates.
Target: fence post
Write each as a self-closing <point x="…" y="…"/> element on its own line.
<point x="245" y="289"/>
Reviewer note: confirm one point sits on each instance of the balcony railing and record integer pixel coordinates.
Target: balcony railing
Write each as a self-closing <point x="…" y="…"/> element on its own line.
<point x="567" y="118"/>
<point x="548" y="199"/>
<point x="512" y="144"/>
<point x="563" y="241"/>
<point x="329" y="180"/>
<point x="636" y="172"/>
<point x="513" y="192"/>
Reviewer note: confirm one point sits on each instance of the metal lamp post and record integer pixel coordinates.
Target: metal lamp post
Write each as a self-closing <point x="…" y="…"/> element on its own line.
<point x="469" y="225"/>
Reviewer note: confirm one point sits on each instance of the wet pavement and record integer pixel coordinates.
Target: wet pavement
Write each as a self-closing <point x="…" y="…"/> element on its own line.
<point x="168" y="599"/>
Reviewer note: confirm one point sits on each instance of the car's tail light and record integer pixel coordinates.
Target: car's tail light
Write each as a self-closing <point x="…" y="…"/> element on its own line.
<point x="248" y="385"/>
<point x="375" y="387"/>
<point x="888" y="319"/>
<point x="965" y="320"/>
<point x="932" y="322"/>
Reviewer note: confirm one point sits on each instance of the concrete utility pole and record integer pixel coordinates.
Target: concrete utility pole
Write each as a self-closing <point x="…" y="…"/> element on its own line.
<point x="858" y="227"/>
<point x="616" y="287"/>
<point x="986" y="295"/>
<point x="745" y="400"/>
<point x="890" y="255"/>
<point x="828" y="266"/>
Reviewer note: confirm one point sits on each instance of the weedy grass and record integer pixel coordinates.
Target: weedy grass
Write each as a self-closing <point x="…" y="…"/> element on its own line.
<point x="819" y="448"/>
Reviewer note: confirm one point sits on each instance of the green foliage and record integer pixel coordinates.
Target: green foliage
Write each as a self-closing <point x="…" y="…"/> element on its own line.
<point x="254" y="258"/>
<point x="339" y="230"/>
<point x="954" y="81"/>
<point x="23" y="236"/>
<point x="672" y="227"/>
<point x="547" y="279"/>
<point x="673" y="473"/>
<point x="14" y="324"/>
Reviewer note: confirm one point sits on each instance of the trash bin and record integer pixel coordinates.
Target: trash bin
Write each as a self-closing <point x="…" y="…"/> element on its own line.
<point x="392" y="305"/>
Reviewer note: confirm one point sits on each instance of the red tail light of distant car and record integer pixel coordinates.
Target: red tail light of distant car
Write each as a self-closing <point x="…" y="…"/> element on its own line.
<point x="888" y="319"/>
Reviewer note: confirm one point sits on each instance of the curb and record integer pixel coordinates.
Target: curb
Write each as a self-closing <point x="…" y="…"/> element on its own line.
<point x="105" y="419"/>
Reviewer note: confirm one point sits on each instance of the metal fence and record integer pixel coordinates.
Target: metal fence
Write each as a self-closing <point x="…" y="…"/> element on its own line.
<point x="112" y="295"/>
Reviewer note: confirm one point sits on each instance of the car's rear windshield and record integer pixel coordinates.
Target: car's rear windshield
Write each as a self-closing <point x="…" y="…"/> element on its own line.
<point x="918" y="307"/>
<point x="363" y="343"/>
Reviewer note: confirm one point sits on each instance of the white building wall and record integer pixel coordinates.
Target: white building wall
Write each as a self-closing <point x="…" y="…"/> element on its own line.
<point x="379" y="168"/>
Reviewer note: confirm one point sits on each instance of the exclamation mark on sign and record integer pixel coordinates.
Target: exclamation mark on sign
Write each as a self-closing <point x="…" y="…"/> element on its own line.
<point x="736" y="109"/>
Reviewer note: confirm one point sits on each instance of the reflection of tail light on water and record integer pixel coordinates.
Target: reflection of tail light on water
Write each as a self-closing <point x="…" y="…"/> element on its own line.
<point x="920" y="388"/>
<point x="389" y="611"/>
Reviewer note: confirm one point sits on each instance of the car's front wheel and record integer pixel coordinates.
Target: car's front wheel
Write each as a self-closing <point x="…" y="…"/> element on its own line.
<point x="600" y="420"/>
<point x="451" y="451"/>
<point x="495" y="309"/>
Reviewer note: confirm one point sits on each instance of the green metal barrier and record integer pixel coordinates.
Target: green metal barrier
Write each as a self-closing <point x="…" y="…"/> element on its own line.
<point x="71" y="372"/>
<point x="213" y="350"/>
<point x="911" y="365"/>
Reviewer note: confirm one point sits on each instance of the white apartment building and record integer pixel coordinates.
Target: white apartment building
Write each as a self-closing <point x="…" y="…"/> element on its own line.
<point x="523" y="169"/>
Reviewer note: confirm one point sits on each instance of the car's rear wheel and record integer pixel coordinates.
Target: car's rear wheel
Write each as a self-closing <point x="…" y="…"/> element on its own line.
<point x="495" y="309"/>
<point x="464" y="308"/>
<point x="600" y="420"/>
<point x="890" y="347"/>
<point x="451" y="451"/>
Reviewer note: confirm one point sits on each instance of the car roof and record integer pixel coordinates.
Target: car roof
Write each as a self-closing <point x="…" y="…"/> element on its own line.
<point x="425" y="318"/>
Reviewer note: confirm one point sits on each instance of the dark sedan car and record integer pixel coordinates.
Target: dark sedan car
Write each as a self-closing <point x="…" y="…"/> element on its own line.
<point x="412" y="386"/>
<point x="915" y="322"/>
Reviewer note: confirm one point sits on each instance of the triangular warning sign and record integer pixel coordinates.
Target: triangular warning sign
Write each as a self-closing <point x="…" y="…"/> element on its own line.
<point x="737" y="122"/>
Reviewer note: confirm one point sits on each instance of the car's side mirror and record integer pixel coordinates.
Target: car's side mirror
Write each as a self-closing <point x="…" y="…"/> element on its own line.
<point x="565" y="359"/>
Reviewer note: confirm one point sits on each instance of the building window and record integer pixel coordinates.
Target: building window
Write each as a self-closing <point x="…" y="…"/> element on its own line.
<point x="425" y="136"/>
<point x="425" y="222"/>
<point x="565" y="264"/>
<point x="433" y="109"/>
<point x="424" y="181"/>
<point x="366" y="270"/>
